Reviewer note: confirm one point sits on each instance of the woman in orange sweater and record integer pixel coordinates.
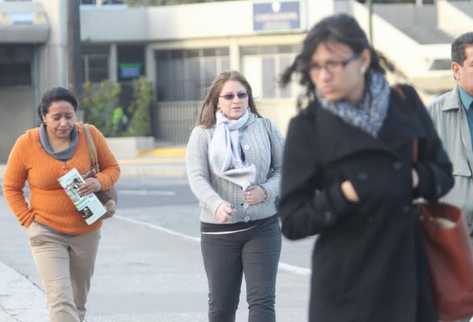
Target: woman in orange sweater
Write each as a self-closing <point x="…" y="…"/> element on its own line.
<point x="64" y="247"/>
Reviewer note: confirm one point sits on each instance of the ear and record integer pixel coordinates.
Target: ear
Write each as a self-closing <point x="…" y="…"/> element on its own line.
<point x="365" y="60"/>
<point x="456" y="69"/>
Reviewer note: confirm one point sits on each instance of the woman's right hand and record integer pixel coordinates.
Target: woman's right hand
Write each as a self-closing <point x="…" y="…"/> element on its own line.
<point x="224" y="212"/>
<point x="349" y="191"/>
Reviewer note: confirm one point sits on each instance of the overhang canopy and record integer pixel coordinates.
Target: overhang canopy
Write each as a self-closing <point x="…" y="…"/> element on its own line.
<point x="23" y="23"/>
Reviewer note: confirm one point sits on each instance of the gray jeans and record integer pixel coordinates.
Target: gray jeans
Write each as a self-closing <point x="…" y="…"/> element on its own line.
<point x="254" y="253"/>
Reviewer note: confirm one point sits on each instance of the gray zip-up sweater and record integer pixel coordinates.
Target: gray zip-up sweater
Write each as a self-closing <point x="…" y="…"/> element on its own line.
<point x="262" y="145"/>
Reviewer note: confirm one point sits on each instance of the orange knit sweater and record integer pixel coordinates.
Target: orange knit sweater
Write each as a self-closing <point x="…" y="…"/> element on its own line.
<point x="48" y="204"/>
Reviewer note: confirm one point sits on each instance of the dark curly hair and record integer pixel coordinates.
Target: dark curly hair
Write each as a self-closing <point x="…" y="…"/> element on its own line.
<point x="54" y="95"/>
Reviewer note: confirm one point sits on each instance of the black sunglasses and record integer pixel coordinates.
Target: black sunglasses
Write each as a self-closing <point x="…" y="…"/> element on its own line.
<point x="231" y="96"/>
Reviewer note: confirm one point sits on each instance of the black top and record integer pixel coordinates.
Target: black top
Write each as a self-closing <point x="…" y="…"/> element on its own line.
<point x="368" y="263"/>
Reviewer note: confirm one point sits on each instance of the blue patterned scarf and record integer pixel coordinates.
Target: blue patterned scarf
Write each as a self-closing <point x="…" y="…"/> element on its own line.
<point x="370" y="113"/>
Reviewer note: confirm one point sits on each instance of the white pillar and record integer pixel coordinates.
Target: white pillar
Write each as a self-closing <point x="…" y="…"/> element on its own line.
<point x="150" y="63"/>
<point x="113" y="63"/>
<point x="235" y="56"/>
<point x="53" y="55"/>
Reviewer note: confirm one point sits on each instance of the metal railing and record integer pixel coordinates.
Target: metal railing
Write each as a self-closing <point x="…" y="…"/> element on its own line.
<point x="174" y="121"/>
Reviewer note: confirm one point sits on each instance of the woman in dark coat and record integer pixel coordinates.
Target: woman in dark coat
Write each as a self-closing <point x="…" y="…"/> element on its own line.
<point x="348" y="177"/>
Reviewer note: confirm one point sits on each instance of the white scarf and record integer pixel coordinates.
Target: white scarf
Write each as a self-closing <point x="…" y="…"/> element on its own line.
<point x="225" y="151"/>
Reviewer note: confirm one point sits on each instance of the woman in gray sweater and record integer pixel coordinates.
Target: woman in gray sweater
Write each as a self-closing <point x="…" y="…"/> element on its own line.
<point x="233" y="162"/>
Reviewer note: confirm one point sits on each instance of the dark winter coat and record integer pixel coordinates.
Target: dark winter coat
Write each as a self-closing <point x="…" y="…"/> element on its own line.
<point x="368" y="262"/>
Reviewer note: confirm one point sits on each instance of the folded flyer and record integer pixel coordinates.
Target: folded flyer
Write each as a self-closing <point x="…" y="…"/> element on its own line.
<point x="89" y="206"/>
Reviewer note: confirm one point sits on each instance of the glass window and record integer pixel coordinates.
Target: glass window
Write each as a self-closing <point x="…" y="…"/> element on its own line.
<point x="269" y="77"/>
<point x="16" y="74"/>
<point x="95" y="62"/>
<point x="15" y="65"/>
<point x="263" y="66"/>
<point x="131" y="62"/>
<point x="185" y="75"/>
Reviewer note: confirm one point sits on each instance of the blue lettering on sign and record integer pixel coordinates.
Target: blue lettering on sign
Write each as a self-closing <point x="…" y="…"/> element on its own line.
<point x="276" y="15"/>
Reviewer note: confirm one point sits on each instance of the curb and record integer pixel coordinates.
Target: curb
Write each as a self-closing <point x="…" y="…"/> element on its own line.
<point x="164" y="152"/>
<point x="26" y="303"/>
<point x="163" y="167"/>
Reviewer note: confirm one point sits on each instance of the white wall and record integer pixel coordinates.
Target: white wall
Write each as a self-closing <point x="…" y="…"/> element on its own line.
<point x="317" y="10"/>
<point x="181" y="22"/>
<point x="462" y="22"/>
<point x="201" y="20"/>
<point x="110" y="24"/>
<point x="412" y="58"/>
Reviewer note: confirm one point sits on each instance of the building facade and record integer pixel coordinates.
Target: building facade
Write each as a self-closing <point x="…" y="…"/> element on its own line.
<point x="181" y="48"/>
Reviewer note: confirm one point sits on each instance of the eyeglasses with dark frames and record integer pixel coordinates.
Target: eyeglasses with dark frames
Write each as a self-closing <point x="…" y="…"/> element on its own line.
<point x="231" y="96"/>
<point x="332" y="66"/>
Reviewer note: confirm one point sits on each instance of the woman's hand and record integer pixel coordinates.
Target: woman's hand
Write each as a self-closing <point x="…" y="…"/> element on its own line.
<point x="349" y="191"/>
<point x="254" y="194"/>
<point x="224" y="213"/>
<point x="90" y="185"/>
<point x="415" y="178"/>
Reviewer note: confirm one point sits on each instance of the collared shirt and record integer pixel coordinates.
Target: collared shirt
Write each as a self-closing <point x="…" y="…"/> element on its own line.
<point x="467" y="102"/>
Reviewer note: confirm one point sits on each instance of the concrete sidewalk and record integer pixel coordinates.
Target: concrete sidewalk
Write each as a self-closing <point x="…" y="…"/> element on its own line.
<point x="20" y="299"/>
<point x="164" y="162"/>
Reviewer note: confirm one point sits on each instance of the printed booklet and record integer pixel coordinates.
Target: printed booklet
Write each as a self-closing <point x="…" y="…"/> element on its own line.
<point x="89" y="206"/>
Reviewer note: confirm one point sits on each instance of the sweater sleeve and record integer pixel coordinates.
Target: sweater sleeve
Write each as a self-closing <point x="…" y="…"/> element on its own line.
<point x="271" y="186"/>
<point x="14" y="181"/>
<point x="307" y="206"/>
<point x="109" y="168"/>
<point x="198" y="172"/>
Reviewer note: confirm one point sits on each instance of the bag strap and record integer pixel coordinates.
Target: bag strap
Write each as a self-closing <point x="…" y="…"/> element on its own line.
<point x="267" y="125"/>
<point x="91" y="148"/>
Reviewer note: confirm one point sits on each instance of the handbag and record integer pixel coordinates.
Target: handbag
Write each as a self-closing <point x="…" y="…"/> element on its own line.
<point x="450" y="257"/>
<point x="107" y="197"/>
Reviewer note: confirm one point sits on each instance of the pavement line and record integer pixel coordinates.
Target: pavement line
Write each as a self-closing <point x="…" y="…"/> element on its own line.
<point x="156" y="227"/>
<point x="147" y="192"/>
<point x="298" y="270"/>
<point x="20" y="298"/>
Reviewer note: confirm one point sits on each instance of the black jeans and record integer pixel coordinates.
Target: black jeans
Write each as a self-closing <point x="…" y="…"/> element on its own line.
<point x="254" y="253"/>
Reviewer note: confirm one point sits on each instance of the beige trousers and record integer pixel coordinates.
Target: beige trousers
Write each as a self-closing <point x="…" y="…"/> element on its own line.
<point x="65" y="264"/>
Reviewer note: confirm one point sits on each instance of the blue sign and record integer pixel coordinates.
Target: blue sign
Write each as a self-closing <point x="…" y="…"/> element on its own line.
<point x="276" y="15"/>
<point x="130" y="70"/>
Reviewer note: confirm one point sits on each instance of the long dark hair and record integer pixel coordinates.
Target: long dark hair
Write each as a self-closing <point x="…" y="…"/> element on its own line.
<point x="340" y="28"/>
<point x="209" y="107"/>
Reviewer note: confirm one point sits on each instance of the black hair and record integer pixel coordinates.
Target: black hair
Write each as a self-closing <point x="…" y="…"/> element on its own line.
<point x="339" y="28"/>
<point x="54" y="95"/>
<point x="458" y="47"/>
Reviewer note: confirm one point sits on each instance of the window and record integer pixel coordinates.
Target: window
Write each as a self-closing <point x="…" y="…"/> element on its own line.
<point x="185" y="75"/>
<point x="95" y="61"/>
<point x="16" y="74"/>
<point x="15" y="65"/>
<point x="263" y="67"/>
<point x="131" y="62"/>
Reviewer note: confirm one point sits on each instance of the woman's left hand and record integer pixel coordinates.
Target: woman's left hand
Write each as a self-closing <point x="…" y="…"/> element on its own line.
<point x="415" y="178"/>
<point x="254" y="194"/>
<point x="90" y="185"/>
